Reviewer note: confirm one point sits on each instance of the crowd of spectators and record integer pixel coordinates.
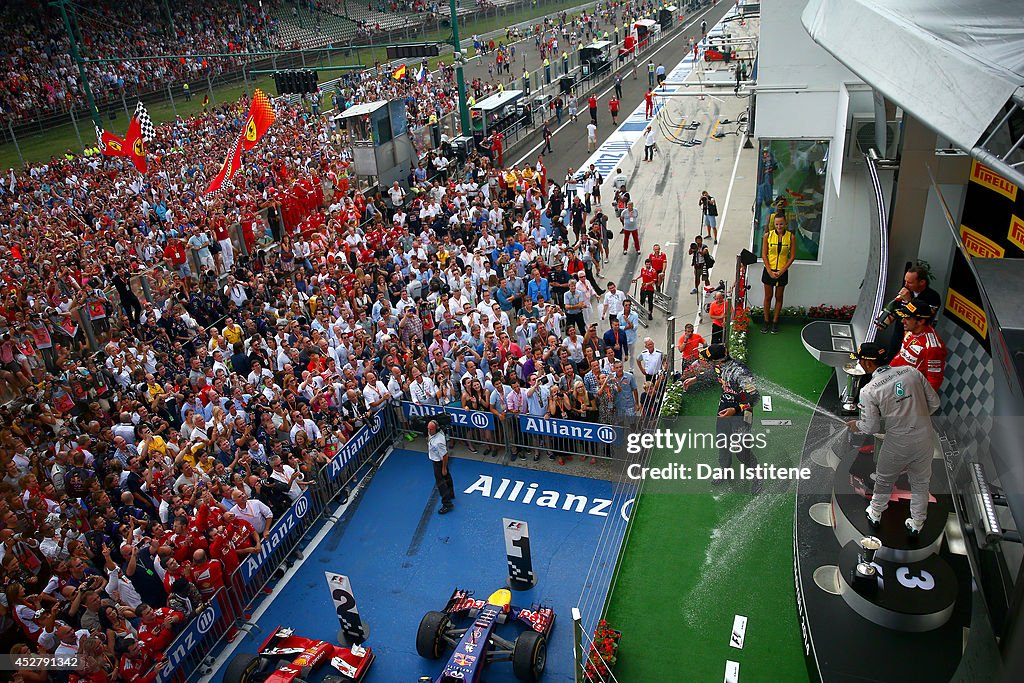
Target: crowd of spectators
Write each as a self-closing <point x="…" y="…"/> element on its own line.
<point x="474" y="287"/>
<point x="41" y="78"/>
<point x="136" y="478"/>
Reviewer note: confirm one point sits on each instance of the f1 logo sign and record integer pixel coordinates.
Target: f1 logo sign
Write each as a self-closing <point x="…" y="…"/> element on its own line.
<point x="517" y="553"/>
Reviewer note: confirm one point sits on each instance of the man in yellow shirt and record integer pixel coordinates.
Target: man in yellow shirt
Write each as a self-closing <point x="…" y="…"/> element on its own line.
<point x="232" y="332"/>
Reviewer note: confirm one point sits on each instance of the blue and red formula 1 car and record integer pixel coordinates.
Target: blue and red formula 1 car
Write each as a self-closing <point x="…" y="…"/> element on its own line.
<point x="478" y="644"/>
<point x="288" y="658"/>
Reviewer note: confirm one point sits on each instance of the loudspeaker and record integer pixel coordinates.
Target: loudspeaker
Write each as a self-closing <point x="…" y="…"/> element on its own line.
<point x="747" y="257"/>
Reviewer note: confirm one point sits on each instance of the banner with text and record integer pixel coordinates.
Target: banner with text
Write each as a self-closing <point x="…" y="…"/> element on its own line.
<point x="472" y="419"/>
<point x="991" y="226"/>
<point x="188" y="640"/>
<point x="570" y="429"/>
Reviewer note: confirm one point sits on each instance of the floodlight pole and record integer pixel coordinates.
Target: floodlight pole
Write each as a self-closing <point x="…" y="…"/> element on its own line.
<point x="75" y="55"/>
<point x="460" y="78"/>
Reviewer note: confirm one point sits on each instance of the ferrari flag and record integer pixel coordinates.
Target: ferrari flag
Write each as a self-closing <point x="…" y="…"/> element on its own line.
<point x="132" y="146"/>
<point x="259" y="120"/>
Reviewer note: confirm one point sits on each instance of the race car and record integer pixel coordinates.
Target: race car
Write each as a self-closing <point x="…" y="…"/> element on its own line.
<point x="477" y="644"/>
<point x="288" y="658"/>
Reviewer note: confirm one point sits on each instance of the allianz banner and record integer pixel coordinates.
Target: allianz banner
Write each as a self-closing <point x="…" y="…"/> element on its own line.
<point x="477" y="419"/>
<point x="991" y="226"/>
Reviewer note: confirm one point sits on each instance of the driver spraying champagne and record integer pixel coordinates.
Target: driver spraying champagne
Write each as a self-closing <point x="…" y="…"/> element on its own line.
<point x="735" y="409"/>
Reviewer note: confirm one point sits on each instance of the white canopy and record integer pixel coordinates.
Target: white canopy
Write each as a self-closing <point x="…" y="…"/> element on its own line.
<point x="955" y="65"/>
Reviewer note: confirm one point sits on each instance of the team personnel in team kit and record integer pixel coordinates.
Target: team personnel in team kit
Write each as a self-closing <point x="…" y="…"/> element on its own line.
<point x="921" y="348"/>
<point x="902" y="397"/>
<point x="778" y="251"/>
<point x="735" y="410"/>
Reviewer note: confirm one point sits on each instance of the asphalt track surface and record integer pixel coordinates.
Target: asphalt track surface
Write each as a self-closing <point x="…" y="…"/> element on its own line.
<point x="569" y="141"/>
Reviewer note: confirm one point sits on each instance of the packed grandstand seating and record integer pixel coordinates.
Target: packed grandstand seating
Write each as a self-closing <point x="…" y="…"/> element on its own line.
<point x="143" y="461"/>
<point x="40" y="78"/>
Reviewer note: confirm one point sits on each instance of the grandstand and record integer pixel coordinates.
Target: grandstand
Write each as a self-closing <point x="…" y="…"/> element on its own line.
<point x="41" y="82"/>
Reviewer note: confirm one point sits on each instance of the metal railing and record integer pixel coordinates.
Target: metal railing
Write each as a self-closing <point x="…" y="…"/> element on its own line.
<point x="193" y="651"/>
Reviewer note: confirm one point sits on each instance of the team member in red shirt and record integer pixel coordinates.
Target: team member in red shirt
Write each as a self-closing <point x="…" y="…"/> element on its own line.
<point x="613" y="107"/>
<point x="592" y="103"/>
<point x="648" y="281"/>
<point x="223" y="237"/>
<point x="207" y="573"/>
<point x="659" y="260"/>
<point x="649" y="104"/>
<point x="689" y="344"/>
<point x="156" y="627"/>
<point x="922" y="348"/>
<point x="137" y="663"/>
<point x="174" y="254"/>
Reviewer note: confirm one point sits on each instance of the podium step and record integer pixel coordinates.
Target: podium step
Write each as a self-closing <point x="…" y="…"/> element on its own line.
<point x="903" y="596"/>
<point x="851" y="492"/>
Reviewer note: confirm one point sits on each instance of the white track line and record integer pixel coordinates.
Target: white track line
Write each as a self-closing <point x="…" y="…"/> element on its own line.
<point x="607" y="90"/>
<point x="721" y="226"/>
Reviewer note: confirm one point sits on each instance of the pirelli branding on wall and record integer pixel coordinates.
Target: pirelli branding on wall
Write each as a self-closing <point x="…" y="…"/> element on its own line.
<point x="992" y="226"/>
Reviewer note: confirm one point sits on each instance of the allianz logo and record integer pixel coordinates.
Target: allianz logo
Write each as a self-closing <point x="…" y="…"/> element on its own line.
<point x="518" y="491"/>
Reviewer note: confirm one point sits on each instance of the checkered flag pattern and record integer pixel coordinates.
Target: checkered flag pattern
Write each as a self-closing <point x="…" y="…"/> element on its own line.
<point x="99" y="136"/>
<point x="145" y="123"/>
<point x="968" y="390"/>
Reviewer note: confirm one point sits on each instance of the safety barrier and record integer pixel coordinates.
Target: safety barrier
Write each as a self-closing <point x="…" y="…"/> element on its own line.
<point x="192" y="652"/>
<point x="523" y="434"/>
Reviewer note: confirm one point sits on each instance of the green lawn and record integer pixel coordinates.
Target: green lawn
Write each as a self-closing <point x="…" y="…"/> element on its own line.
<point x="56" y="141"/>
<point x="695" y="559"/>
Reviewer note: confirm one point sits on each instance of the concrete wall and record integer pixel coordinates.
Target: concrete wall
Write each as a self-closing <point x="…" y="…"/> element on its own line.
<point x="817" y="98"/>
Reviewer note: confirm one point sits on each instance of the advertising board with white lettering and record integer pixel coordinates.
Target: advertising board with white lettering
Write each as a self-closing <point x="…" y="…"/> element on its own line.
<point x="351" y="448"/>
<point x="570" y="429"/>
<point x="188" y="640"/>
<point x="282" y="529"/>
<point x="471" y="419"/>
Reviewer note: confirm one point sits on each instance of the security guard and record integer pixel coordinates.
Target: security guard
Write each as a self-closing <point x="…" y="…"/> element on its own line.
<point x="437" y="451"/>
<point x="735" y="408"/>
<point x="905" y="400"/>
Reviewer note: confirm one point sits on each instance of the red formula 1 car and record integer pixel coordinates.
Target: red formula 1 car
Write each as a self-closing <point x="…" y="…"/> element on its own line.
<point x="477" y="643"/>
<point x="287" y="658"/>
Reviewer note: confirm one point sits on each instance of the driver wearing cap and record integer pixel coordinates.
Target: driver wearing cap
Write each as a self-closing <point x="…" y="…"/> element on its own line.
<point x="922" y="348"/>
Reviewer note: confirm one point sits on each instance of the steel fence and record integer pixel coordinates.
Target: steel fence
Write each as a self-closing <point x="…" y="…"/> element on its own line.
<point x="193" y="651"/>
<point x="522" y="435"/>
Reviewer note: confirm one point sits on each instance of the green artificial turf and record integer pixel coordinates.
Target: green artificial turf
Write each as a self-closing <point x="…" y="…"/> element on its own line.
<point x="695" y="559"/>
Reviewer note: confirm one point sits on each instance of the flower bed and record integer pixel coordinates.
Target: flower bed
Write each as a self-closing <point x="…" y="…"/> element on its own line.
<point x="822" y="312"/>
<point x="603" y="653"/>
<point x="738" y="334"/>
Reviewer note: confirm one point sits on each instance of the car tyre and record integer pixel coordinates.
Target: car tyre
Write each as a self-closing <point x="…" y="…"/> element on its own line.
<point x="242" y="668"/>
<point x="430" y="641"/>
<point x="529" y="656"/>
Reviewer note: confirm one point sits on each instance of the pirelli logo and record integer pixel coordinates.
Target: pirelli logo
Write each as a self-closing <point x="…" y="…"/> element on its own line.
<point x="983" y="175"/>
<point x="1016" y="233"/>
<point x="968" y="311"/>
<point x="979" y="245"/>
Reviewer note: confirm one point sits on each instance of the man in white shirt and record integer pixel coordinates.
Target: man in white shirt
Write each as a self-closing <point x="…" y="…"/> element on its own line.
<point x="375" y="393"/>
<point x="591" y="136"/>
<point x="287" y="475"/>
<point x="650" y="143"/>
<point x="422" y="389"/>
<point x="397" y="195"/>
<point x="253" y="511"/>
<point x="613" y="300"/>
<point x="650" y="361"/>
